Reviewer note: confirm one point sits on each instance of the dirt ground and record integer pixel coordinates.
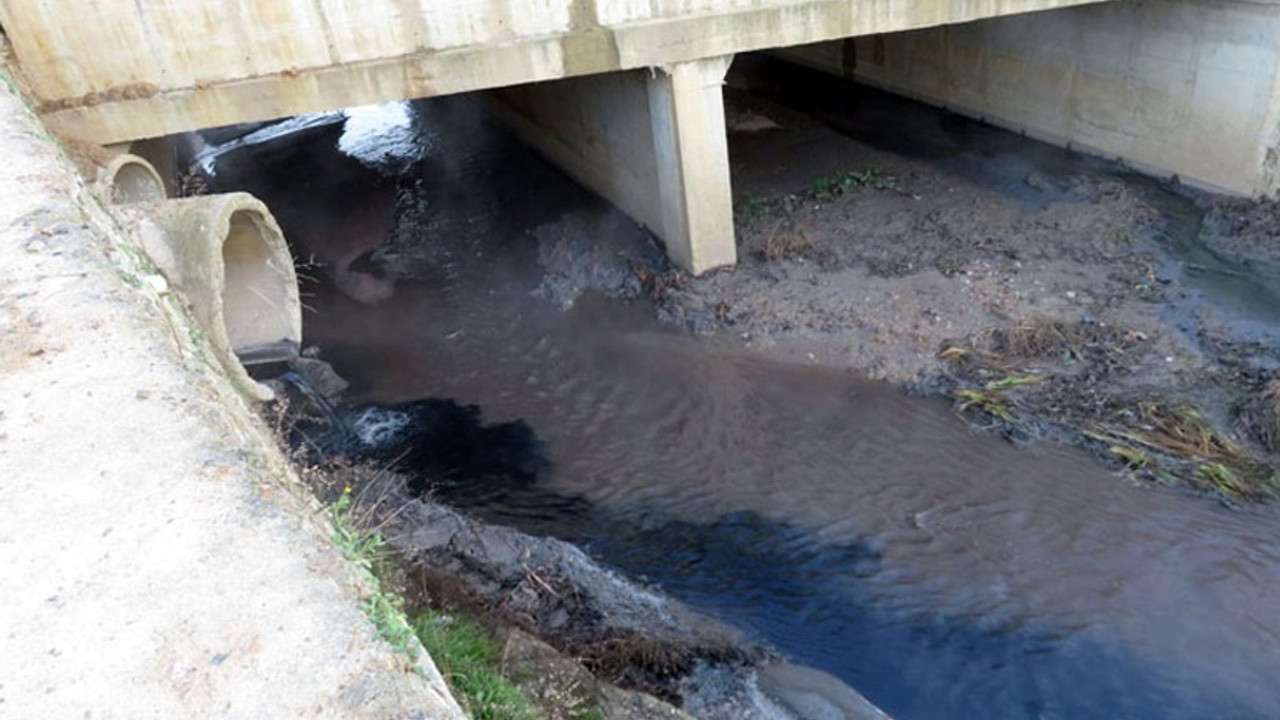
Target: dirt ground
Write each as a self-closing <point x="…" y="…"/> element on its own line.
<point x="1045" y="297"/>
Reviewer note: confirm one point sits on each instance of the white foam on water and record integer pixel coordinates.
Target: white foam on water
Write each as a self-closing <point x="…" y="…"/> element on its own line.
<point x="378" y="426"/>
<point x="374" y="134"/>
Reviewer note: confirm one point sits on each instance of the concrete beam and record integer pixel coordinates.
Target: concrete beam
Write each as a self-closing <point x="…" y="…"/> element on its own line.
<point x="117" y="70"/>
<point x="652" y="142"/>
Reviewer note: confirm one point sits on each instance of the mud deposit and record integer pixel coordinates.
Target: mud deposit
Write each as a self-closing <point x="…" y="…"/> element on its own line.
<point x="732" y="441"/>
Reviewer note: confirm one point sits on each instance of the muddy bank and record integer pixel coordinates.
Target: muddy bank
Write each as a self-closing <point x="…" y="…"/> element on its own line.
<point x="631" y="650"/>
<point x="624" y="634"/>
<point x="1245" y="232"/>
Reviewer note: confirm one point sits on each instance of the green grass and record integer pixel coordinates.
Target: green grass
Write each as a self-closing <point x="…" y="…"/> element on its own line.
<point x="465" y="652"/>
<point x="1191" y="450"/>
<point x="1014" y="381"/>
<point x="467" y="656"/>
<point x="835" y="185"/>
<point x="367" y="550"/>
<point x="749" y="210"/>
<point x="1133" y="459"/>
<point x="1220" y="479"/>
<point x="824" y="189"/>
<point x="988" y="401"/>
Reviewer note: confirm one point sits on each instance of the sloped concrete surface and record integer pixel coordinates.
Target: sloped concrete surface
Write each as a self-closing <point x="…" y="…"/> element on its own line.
<point x="157" y="560"/>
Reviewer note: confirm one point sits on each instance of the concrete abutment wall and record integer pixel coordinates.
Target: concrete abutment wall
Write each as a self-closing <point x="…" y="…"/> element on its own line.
<point x="652" y="142"/>
<point x="1178" y="87"/>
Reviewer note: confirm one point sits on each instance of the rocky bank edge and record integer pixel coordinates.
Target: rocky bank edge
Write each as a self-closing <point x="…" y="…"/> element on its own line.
<point x="566" y="622"/>
<point x="160" y="560"/>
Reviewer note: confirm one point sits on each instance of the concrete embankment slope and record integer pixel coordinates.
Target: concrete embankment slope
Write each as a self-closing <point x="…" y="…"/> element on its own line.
<point x="159" y="561"/>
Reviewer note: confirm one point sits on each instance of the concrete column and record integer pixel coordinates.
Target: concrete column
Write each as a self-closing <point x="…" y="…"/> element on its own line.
<point x="652" y="142"/>
<point x="686" y="107"/>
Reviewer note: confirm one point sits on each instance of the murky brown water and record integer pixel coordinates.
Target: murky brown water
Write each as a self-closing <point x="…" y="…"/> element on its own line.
<point x="942" y="573"/>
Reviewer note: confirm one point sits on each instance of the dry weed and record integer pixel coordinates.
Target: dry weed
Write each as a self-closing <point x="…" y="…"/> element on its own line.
<point x="787" y="245"/>
<point x="1034" y="337"/>
<point x="1185" y="436"/>
<point x="1261" y="418"/>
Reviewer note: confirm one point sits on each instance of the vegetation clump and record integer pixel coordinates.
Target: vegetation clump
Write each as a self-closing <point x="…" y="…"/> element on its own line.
<point x="468" y="658"/>
<point x="1261" y="417"/>
<point x="1041" y="375"/>
<point x="366" y="549"/>
<point x="823" y="190"/>
<point x="1192" y="450"/>
<point x="787" y="246"/>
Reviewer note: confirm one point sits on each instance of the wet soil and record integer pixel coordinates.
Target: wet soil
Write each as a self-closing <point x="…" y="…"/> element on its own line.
<point x="907" y="261"/>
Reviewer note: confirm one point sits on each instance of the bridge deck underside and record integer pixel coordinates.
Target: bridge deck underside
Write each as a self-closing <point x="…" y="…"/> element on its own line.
<point x="118" y="70"/>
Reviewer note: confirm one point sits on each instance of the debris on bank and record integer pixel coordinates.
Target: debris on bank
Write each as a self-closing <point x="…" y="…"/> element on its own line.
<point x="1041" y="376"/>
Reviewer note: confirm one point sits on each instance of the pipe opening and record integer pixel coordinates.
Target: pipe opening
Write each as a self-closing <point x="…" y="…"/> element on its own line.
<point x="256" y="293"/>
<point x="130" y="179"/>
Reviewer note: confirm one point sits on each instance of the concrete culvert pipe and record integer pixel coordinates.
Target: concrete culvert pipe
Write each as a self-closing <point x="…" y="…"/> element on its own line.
<point x="128" y="178"/>
<point x="227" y="256"/>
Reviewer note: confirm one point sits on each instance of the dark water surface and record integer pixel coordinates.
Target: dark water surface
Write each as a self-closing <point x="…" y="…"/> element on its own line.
<point x="943" y="574"/>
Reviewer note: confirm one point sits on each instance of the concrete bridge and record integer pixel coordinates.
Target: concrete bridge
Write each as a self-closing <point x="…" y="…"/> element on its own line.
<point x="625" y="94"/>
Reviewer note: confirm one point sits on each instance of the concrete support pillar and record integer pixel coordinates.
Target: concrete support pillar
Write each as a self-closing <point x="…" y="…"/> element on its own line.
<point x="652" y="142"/>
<point x="686" y="107"/>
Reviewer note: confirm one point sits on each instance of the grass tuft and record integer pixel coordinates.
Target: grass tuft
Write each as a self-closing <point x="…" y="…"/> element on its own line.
<point x="825" y="189"/>
<point x="787" y="245"/>
<point x="1221" y="479"/>
<point x="1133" y="459"/>
<point x="1013" y="381"/>
<point x="1032" y="338"/>
<point x="467" y="657"/>
<point x="366" y="549"/>
<point x="993" y="398"/>
<point x="832" y="186"/>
